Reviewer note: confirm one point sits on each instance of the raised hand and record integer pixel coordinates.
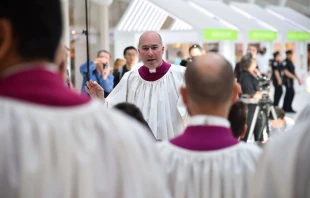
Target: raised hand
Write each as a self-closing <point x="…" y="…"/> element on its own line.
<point x="99" y="62"/>
<point x="94" y="90"/>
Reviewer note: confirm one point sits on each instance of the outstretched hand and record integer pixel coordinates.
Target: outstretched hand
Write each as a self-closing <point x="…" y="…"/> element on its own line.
<point x="94" y="90"/>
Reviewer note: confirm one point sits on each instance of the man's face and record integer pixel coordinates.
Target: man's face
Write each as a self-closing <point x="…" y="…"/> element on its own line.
<point x="151" y="50"/>
<point x="195" y="52"/>
<point x="106" y="56"/>
<point x="131" y="56"/>
<point x="253" y="51"/>
<point x="278" y="58"/>
<point x="289" y="56"/>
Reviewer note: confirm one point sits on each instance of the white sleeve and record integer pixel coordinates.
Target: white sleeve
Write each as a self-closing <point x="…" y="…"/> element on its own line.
<point x="119" y="93"/>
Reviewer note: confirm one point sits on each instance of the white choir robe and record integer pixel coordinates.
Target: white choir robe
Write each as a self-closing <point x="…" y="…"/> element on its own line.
<point x="85" y="151"/>
<point x="284" y="170"/>
<point x="159" y="101"/>
<point x="224" y="173"/>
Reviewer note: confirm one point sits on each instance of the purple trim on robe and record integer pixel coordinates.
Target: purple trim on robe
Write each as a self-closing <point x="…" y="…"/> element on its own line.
<point x="205" y="138"/>
<point x="160" y="72"/>
<point x="40" y="86"/>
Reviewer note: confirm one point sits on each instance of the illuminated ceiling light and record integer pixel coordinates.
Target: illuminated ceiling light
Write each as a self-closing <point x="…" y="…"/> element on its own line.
<point x="136" y="20"/>
<point x="152" y="19"/>
<point x="73" y="32"/>
<point x="253" y="18"/>
<point x="132" y="15"/>
<point x="143" y="15"/>
<point x="211" y="15"/>
<point x="287" y="20"/>
<point x="127" y="15"/>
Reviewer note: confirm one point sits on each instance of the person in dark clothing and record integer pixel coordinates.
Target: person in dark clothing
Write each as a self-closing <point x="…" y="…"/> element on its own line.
<point x="134" y="112"/>
<point x="288" y="81"/>
<point x="277" y="77"/>
<point x="194" y="50"/>
<point x="130" y="55"/>
<point x="250" y="88"/>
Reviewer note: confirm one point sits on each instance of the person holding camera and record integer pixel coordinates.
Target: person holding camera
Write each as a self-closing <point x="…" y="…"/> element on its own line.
<point x="250" y="88"/>
<point x="99" y="71"/>
<point x="277" y="77"/>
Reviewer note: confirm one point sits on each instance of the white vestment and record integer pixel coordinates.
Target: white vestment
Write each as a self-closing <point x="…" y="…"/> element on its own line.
<point x="284" y="170"/>
<point x="75" y="152"/>
<point x="224" y="173"/>
<point x="159" y="101"/>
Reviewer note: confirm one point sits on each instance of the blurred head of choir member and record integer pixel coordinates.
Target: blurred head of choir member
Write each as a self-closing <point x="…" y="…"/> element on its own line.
<point x="210" y="86"/>
<point x="238" y="119"/>
<point x="21" y="39"/>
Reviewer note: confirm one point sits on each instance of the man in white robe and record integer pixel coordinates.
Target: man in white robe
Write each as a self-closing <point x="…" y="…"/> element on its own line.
<point x="207" y="160"/>
<point x="56" y="143"/>
<point x="284" y="171"/>
<point x="154" y="88"/>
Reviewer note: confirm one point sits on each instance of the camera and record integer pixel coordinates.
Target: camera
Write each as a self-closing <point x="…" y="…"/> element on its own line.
<point x="264" y="84"/>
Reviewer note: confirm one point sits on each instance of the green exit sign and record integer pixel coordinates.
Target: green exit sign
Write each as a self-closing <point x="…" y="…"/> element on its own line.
<point x="298" y="36"/>
<point x="220" y="34"/>
<point x="262" y="35"/>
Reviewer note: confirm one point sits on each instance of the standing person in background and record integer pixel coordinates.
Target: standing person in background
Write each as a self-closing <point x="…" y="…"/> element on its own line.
<point x="263" y="61"/>
<point x="194" y="50"/>
<point x="118" y="63"/>
<point x="288" y="81"/>
<point x="99" y="71"/>
<point x="254" y="52"/>
<point x="277" y="77"/>
<point x="180" y="57"/>
<point x="250" y="88"/>
<point x="130" y="55"/>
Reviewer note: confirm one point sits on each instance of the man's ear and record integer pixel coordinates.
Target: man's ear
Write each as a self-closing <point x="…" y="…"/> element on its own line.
<point x="183" y="92"/>
<point x="6" y="37"/>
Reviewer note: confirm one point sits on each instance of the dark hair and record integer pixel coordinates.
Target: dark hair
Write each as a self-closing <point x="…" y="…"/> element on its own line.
<point x="105" y="51"/>
<point x="179" y="53"/>
<point x="36" y="26"/>
<point x="289" y="52"/>
<point x="279" y="112"/>
<point x="238" y="117"/>
<point x="195" y="46"/>
<point x="129" y="48"/>
<point x="275" y="54"/>
<point x="246" y="62"/>
<point x="134" y="112"/>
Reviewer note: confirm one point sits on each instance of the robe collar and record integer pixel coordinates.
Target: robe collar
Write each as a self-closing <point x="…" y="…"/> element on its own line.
<point x="154" y="74"/>
<point x="206" y="133"/>
<point x="208" y="120"/>
<point x="39" y="84"/>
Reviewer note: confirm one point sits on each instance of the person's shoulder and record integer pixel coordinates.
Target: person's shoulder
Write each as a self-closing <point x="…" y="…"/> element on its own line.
<point x="250" y="147"/>
<point x="177" y="69"/>
<point x="129" y="129"/>
<point x="131" y="73"/>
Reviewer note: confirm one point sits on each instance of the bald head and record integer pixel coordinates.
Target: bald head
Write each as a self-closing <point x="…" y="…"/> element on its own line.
<point x="150" y="34"/>
<point x="209" y="80"/>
